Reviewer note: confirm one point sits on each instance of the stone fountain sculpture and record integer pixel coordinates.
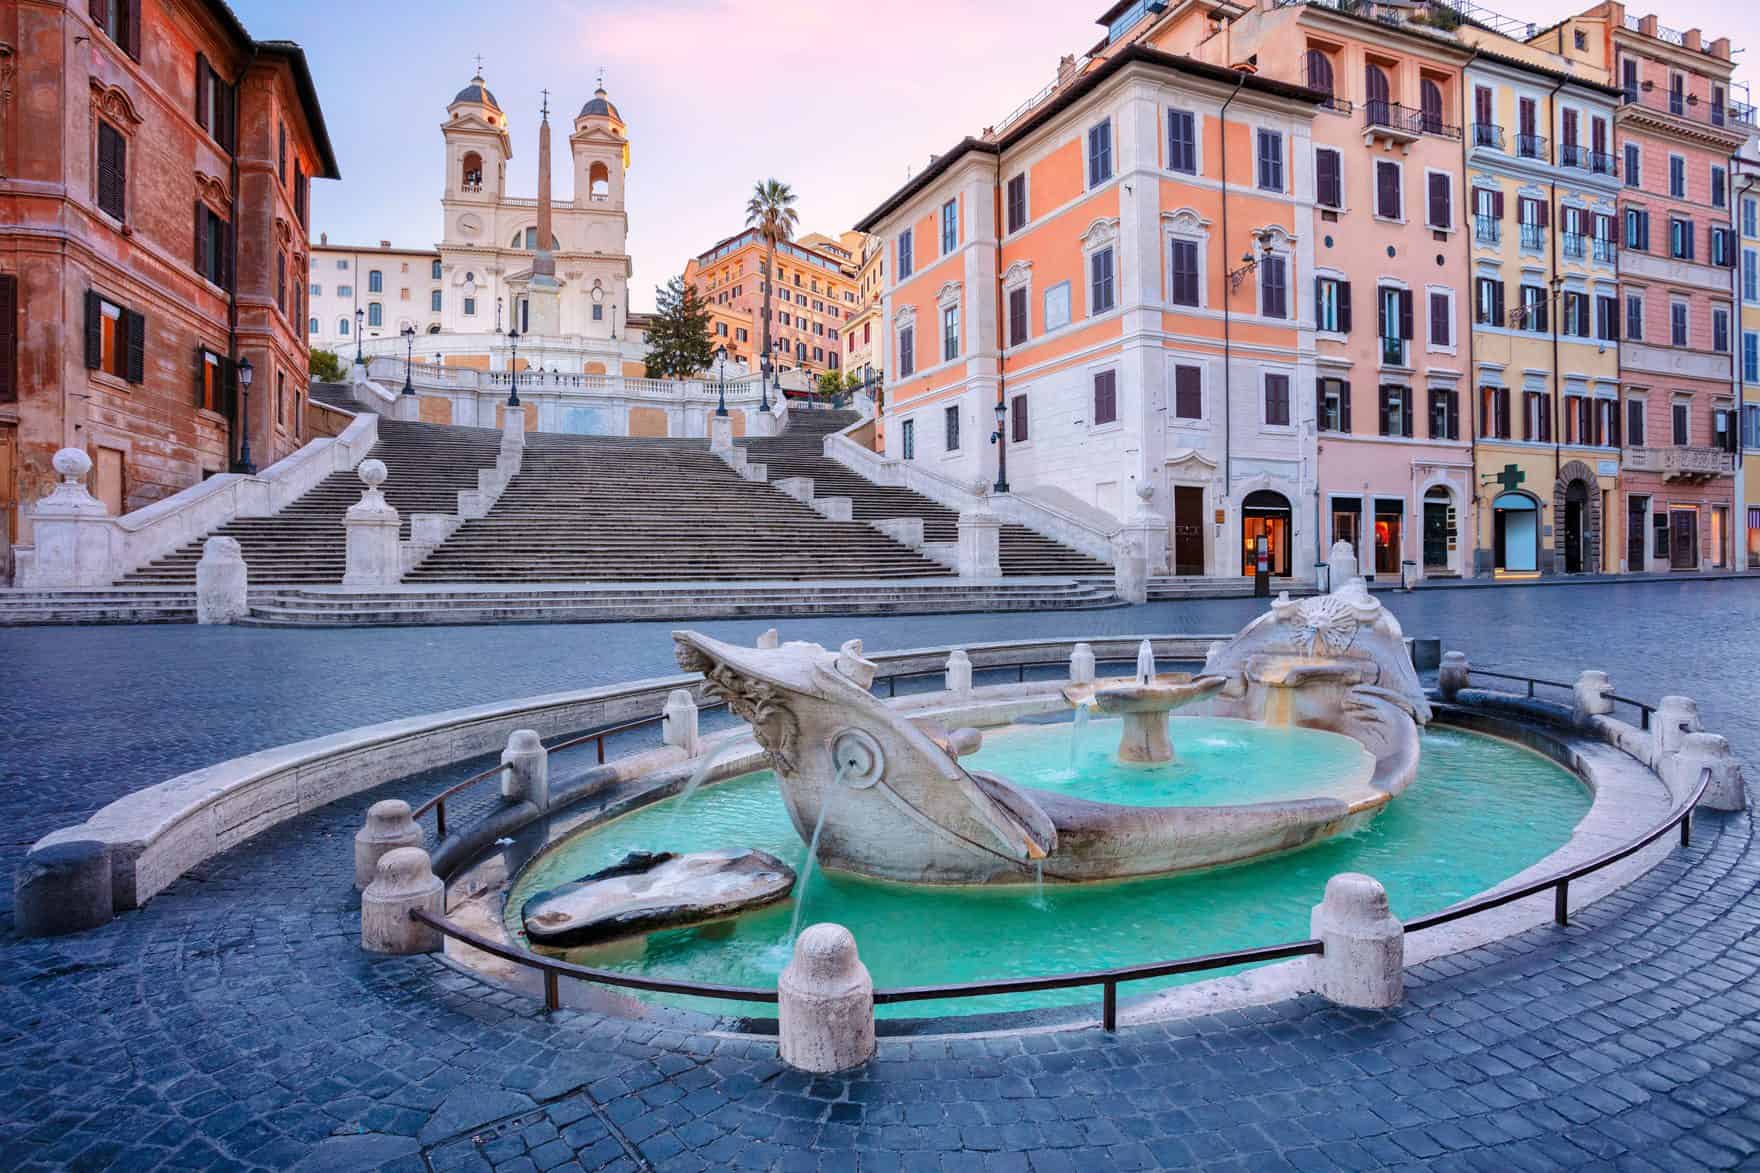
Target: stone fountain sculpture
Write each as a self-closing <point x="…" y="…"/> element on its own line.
<point x="1144" y="703"/>
<point x="890" y="797"/>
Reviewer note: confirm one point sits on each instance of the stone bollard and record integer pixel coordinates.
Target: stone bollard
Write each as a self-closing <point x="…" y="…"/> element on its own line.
<point x="525" y="774"/>
<point x="1364" y="962"/>
<point x="1674" y="718"/>
<point x="1130" y="573"/>
<point x="720" y="433"/>
<point x="513" y="430"/>
<point x="62" y="888"/>
<point x="1081" y="665"/>
<point x="770" y="639"/>
<point x="980" y="538"/>
<point x="373" y="558"/>
<point x="389" y="826"/>
<point x="1451" y="677"/>
<point x="679" y="727"/>
<point x="1341" y="566"/>
<point x="1591" y="696"/>
<point x="959" y="671"/>
<point x="825" y="1003"/>
<point x="404" y="882"/>
<point x="221" y="580"/>
<point x="1699" y="751"/>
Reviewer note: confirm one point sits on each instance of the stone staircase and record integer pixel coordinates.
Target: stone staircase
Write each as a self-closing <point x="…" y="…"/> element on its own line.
<point x="618" y="509"/>
<point x="428" y="465"/>
<point x="800" y="452"/>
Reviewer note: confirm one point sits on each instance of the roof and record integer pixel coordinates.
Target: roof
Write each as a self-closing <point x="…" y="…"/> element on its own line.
<point x="599" y="106"/>
<point x="476" y="91"/>
<point x="295" y="57"/>
<point x="1485" y="54"/>
<point x="1074" y="92"/>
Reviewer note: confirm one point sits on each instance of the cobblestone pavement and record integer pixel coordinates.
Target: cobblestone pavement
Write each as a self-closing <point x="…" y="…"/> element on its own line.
<point x="234" y="1022"/>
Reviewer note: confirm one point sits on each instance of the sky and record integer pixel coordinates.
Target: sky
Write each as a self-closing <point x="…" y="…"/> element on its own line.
<point x="842" y="100"/>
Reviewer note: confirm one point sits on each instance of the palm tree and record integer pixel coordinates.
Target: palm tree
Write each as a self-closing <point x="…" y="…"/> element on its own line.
<point x="771" y="212"/>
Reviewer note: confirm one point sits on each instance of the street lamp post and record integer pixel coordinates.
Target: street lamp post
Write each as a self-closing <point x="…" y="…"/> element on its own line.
<point x="513" y="382"/>
<point x="245" y="463"/>
<point x="764" y="386"/>
<point x="360" y="316"/>
<point x="1000" y="437"/>
<point x="721" y="380"/>
<point x="409" y="351"/>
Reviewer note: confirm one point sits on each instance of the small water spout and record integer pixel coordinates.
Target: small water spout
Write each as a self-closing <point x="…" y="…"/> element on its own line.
<point x="1145" y="663"/>
<point x="1078" y="734"/>
<point x="699" y="775"/>
<point x="1039" y="884"/>
<point x="800" y="889"/>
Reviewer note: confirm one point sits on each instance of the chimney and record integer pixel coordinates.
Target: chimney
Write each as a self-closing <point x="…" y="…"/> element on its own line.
<point x="323" y="238"/>
<point x="1066" y="69"/>
<point x="1647" y="25"/>
<point x="384" y="244"/>
<point x="1720" y="48"/>
<point x="1693" y="39"/>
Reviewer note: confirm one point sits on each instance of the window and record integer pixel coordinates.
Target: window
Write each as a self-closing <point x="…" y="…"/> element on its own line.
<point x="1276" y="400"/>
<point x="1494" y="413"/>
<point x="1719" y="188"/>
<point x="1750" y="217"/>
<point x="1606" y="318"/>
<point x="1430" y="105"/>
<point x="1682" y="423"/>
<point x="1488" y="301"/>
<point x="1396" y="410"/>
<point x="1018" y="429"/>
<point x="949" y="333"/>
<point x="116" y="339"/>
<point x="217" y="109"/>
<point x="1270" y="160"/>
<point x="1105" y="397"/>
<point x="121" y="22"/>
<point x="345" y="291"/>
<point x="1635" y="317"/>
<point x="1680" y="238"/>
<point x="1534" y="309"/>
<point x="1580" y="39"/>
<point x="1537" y="416"/>
<point x="1099" y="153"/>
<point x="1634" y="166"/>
<point x="1720" y="330"/>
<point x="281" y="152"/>
<point x="1750" y="275"/>
<point x="1017" y="203"/>
<point x="1273" y="288"/>
<point x="1722" y="251"/>
<point x="598" y="310"/>
<point x="313" y="328"/>
<point x="1635" y="422"/>
<point x="1387" y="202"/>
<point x="1487" y="215"/>
<point x="1677" y="323"/>
<point x="211" y="378"/>
<point x="1328" y="178"/>
<point x="213" y="245"/>
<point x="1638" y="229"/>
<point x="949" y="226"/>
<point x="1334" y="405"/>
<point x="907" y="438"/>
<point x="1017" y="316"/>
<point x="1751" y="363"/>
<point x="1394" y="323"/>
<point x="1100" y="282"/>
<point x="1532" y="215"/>
<point x="950" y="423"/>
<point x="342" y="325"/>
<point x="905" y="258"/>
<point x="907" y="348"/>
<point x="1183" y="273"/>
<point x="434" y="301"/>
<point x="1188" y="392"/>
<point x="1182" y="142"/>
<point x="470" y="307"/>
<point x="375" y="314"/>
<point x="1677" y="176"/>
<point x="1332" y="305"/>
<point x="1441" y="206"/>
<point x="434" y="271"/>
<point x="375" y="281"/>
<point x="1057" y="306"/>
<point x="281" y="282"/>
<point x="112" y="177"/>
<point x="1445" y="414"/>
<point x="1318" y="69"/>
<point x="1441" y="319"/>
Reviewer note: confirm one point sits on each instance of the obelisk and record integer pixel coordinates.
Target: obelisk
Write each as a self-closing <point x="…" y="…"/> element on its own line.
<point x="543" y="294"/>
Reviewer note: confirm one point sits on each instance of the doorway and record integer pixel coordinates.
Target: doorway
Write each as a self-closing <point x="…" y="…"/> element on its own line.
<point x="8" y="497"/>
<point x="1636" y="528"/>
<point x="1720" y="536"/>
<point x="1576" y="506"/>
<point x="1515" y="526"/>
<point x="1188" y="529"/>
<point x="1265" y="514"/>
<point x="109" y="479"/>
<point x="1390" y="514"/>
<point x="1438" y="529"/>
<point x="1347" y="526"/>
<point x="1683" y="527"/>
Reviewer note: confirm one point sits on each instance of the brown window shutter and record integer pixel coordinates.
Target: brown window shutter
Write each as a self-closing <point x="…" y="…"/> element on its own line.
<point x="94" y="330"/>
<point x="96" y="8"/>
<point x="134" y="28"/>
<point x="135" y="327"/>
<point x="1344" y="307"/>
<point x="8" y="338"/>
<point x="1408" y="401"/>
<point x="1497" y="204"/>
<point x="202" y="72"/>
<point x="1405" y="314"/>
<point x="201" y="249"/>
<point x="201" y="371"/>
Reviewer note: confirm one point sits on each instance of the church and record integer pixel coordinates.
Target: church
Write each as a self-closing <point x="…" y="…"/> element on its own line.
<point x="546" y="277"/>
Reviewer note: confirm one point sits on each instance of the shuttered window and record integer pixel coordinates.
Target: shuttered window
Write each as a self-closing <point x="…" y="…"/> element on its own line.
<point x="1105" y="397"/>
<point x="1017" y="316"/>
<point x="116" y="338"/>
<point x="1101" y="288"/>
<point x="1441" y="320"/>
<point x="1441" y="201"/>
<point x="1277" y="400"/>
<point x="1017" y="203"/>
<point x="213" y="246"/>
<point x="1183" y="273"/>
<point x="112" y="171"/>
<point x="217" y="109"/>
<point x="1270" y="161"/>
<point x="1387" y="203"/>
<point x="1018" y="422"/>
<point x="8" y="338"/>
<point x="1182" y="142"/>
<point x="1099" y="153"/>
<point x="1188" y="393"/>
<point x="1396" y="410"/>
<point x="1273" y="288"/>
<point x="1328" y="178"/>
<point x="121" y="22"/>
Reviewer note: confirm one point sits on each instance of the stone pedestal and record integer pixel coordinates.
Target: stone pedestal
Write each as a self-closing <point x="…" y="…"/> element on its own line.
<point x="407" y="408"/>
<point x="373" y="557"/>
<point x="62" y="888"/>
<point x="71" y="532"/>
<point x="959" y="671"/>
<point x="825" y="1003"/>
<point x="1341" y="566"/>
<point x="405" y="881"/>
<point x="679" y="724"/>
<point x="1674" y="718"/>
<point x="1591" y="696"/>
<point x="513" y="430"/>
<point x="980" y="542"/>
<point x="1147" y="530"/>
<point x="525" y="775"/>
<point x="1081" y="665"/>
<point x="389" y="826"/>
<point x="720" y="433"/>
<point x="1364" y="962"/>
<point x="1451" y="677"/>
<point x="543" y="307"/>
<point x="1130" y="573"/>
<point x="1700" y="751"/>
<point x="221" y="581"/>
<point x="762" y="423"/>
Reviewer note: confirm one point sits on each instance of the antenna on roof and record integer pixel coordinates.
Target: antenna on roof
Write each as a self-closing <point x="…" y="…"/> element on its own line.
<point x="546" y="108"/>
<point x="479" y="64"/>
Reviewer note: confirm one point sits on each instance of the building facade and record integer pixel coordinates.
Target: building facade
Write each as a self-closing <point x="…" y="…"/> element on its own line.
<point x="385" y="289"/>
<point x="814" y="300"/>
<point x="1745" y="202"/>
<point x="861" y="342"/>
<point x="155" y="168"/>
<point x="1079" y="270"/>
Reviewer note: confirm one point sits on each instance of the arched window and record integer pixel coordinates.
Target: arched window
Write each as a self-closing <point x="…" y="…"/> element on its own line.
<point x="1375" y="91"/>
<point x="1319" y="70"/>
<point x="473" y="171"/>
<point x="434" y="329"/>
<point x="342" y="327"/>
<point x="375" y="314"/>
<point x="375" y="281"/>
<point x="436" y="270"/>
<point x="1266" y="514"/>
<point x="528" y="240"/>
<point x="599" y="181"/>
<point x="1430" y="105"/>
<point x="313" y="328"/>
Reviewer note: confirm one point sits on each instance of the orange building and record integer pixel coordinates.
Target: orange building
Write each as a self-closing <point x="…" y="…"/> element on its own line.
<point x="814" y="299"/>
<point x="1125" y="269"/>
<point x="155" y="165"/>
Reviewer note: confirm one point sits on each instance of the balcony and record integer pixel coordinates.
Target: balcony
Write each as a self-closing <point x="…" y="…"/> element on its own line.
<point x="1531" y="146"/>
<point x="1737" y="116"/>
<point x="1404" y="124"/>
<point x="1533" y="236"/>
<point x="1681" y="463"/>
<point x="1602" y="250"/>
<point x="1486" y="134"/>
<point x="1582" y="158"/>
<point x="1573" y="244"/>
<point x="1487" y="229"/>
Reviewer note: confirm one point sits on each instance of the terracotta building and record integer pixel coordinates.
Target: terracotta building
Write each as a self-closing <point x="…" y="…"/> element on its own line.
<point x="155" y="168"/>
<point x="815" y="298"/>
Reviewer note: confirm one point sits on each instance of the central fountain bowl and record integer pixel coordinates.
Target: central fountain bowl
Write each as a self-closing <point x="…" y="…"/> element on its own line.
<point x="1144" y="703"/>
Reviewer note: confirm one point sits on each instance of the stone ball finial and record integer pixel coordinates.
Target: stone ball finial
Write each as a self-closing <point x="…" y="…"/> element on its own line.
<point x="825" y="955"/>
<point x="72" y="463"/>
<point x="981" y="487"/>
<point x="1145" y="492"/>
<point x="372" y="473"/>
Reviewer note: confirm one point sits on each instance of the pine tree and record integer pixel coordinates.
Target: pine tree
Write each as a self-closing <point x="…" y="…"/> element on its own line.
<point x="679" y="345"/>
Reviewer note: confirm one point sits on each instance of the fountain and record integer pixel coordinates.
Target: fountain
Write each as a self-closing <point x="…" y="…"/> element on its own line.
<point x="906" y="809"/>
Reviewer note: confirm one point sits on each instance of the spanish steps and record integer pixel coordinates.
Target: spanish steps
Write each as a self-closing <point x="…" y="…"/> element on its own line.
<point x="800" y="452"/>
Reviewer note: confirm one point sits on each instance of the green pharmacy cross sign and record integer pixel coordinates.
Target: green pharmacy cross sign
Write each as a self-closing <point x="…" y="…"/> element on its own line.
<point x="1510" y="477"/>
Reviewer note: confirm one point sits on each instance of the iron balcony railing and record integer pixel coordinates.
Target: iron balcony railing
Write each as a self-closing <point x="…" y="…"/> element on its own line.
<point x="1602" y="249"/>
<point x="1394" y="116"/>
<point x="1533" y="236"/>
<point x="1692" y="108"/>
<point x="1486" y="134"/>
<point x="1573" y="244"/>
<point x="1487" y="229"/>
<point x="1531" y="146"/>
<point x="1393" y="352"/>
<point x="1581" y="157"/>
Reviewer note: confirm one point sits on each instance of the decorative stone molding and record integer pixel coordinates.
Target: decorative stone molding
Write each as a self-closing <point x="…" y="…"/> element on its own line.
<point x="948" y="295"/>
<point x="1016" y="275"/>
<point x="1186" y="220"/>
<point x="213" y="191"/>
<point x="1101" y="232"/>
<point x="113" y="104"/>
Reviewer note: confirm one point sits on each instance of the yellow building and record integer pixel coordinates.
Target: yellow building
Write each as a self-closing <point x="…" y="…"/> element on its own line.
<point x="814" y="299"/>
<point x="1542" y="189"/>
<point x="1746" y="206"/>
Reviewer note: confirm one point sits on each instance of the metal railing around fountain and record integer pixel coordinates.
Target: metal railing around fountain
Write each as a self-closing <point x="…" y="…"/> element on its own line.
<point x="1108" y="980"/>
<point x="1644" y="708"/>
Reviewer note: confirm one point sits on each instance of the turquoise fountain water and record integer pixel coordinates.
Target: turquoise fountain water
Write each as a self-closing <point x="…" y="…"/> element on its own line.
<point x="1479" y="811"/>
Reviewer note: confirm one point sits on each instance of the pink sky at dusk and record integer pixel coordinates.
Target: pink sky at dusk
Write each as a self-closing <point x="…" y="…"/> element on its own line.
<point x="842" y="100"/>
